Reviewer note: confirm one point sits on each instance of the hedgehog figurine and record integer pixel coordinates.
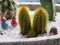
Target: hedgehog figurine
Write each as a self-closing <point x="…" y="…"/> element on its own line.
<point x="4" y="25"/>
<point x="53" y="31"/>
<point x="13" y="21"/>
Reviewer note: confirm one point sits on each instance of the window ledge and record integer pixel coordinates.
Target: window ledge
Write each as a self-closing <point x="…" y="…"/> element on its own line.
<point x="32" y="3"/>
<point x="28" y="3"/>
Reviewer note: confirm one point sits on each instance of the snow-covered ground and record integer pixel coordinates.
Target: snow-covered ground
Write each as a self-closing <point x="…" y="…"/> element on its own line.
<point x="13" y="34"/>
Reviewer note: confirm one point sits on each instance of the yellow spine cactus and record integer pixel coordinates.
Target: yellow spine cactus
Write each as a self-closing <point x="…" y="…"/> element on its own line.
<point x="24" y="19"/>
<point x="40" y="21"/>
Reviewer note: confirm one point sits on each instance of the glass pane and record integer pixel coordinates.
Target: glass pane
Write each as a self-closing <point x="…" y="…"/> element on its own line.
<point x="58" y="1"/>
<point x="29" y="0"/>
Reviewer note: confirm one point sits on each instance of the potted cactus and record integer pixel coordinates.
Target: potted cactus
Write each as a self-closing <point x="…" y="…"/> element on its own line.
<point x="40" y="21"/>
<point x="24" y="19"/>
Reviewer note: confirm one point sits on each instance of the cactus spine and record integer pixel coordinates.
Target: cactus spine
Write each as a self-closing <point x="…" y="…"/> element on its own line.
<point x="40" y="21"/>
<point x="49" y="5"/>
<point x="24" y="19"/>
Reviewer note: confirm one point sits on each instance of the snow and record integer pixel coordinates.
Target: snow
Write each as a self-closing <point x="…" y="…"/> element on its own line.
<point x="13" y="34"/>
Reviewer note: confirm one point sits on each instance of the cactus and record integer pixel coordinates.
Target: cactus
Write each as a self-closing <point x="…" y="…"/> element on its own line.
<point x="24" y="19"/>
<point x="40" y="21"/>
<point x="43" y="3"/>
<point x="31" y="33"/>
<point x="49" y="5"/>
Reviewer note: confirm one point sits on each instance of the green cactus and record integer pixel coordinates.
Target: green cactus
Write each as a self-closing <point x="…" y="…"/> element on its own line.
<point x="40" y="21"/>
<point x="24" y="19"/>
<point x="43" y="3"/>
<point x="49" y="5"/>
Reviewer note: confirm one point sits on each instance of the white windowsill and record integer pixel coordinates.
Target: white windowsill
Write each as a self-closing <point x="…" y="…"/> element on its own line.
<point x="31" y="3"/>
<point x="28" y="3"/>
<point x="57" y="5"/>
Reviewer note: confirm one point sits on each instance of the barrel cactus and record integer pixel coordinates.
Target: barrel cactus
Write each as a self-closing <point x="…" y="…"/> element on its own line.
<point x="24" y="19"/>
<point x="40" y="21"/>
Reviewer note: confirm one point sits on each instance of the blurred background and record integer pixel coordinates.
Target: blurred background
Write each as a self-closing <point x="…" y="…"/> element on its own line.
<point x="57" y="1"/>
<point x="33" y="4"/>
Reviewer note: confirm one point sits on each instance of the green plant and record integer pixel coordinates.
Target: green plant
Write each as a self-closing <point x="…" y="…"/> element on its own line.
<point x="49" y="5"/>
<point x="40" y="21"/>
<point x="7" y="6"/>
<point x="24" y="19"/>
